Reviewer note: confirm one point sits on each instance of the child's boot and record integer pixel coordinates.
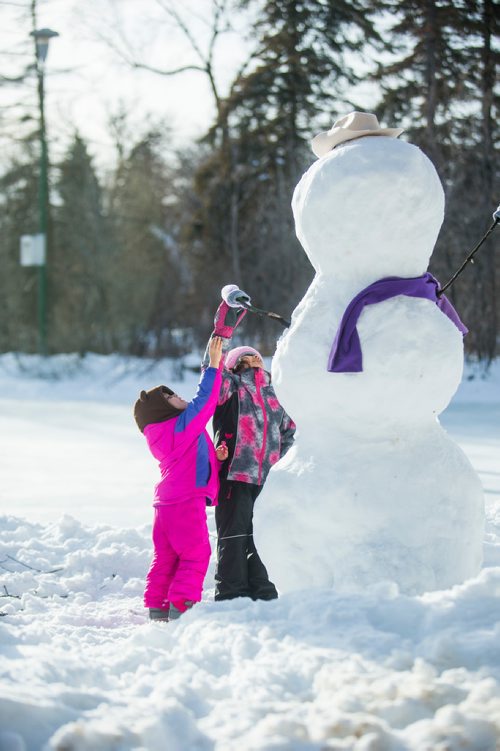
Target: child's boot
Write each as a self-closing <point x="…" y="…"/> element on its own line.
<point x="158" y="614"/>
<point x="178" y="608"/>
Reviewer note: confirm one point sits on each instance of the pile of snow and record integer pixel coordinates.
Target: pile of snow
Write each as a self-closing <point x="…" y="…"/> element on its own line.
<point x="373" y="671"/>
<point x="112" y="379"/>
<point x="82" y="669"/>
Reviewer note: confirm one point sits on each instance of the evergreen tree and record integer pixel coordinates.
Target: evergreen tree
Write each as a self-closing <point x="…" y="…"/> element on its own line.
<point x="440" y="85"/>
<point x="18" y="285"/>
<point x="476" y="175"/>
<point x="148" y="286"/>
<point x="81" y="257"/>
<point x="428" y="74"/>
<point x="260" y="146"/>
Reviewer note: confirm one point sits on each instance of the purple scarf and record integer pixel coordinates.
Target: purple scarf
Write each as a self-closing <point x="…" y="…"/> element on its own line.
<point x="345" y="355"/>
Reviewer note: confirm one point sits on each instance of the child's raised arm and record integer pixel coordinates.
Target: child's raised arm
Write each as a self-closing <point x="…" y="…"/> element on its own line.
<point x="215" y="351"/>
<point x="229" y="315"/>
<point x="193" y="420"/>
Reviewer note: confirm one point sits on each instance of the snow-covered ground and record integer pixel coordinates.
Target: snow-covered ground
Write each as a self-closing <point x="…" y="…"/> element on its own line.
<point x="82" y="668"/>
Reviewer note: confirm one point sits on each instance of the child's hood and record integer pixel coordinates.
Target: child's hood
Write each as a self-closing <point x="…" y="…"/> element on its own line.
<point x="159" y="437"/>
<point x="152" y="407"/>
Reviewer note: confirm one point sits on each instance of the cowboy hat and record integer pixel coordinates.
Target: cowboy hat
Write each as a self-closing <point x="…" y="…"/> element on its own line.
<point x="353" y="125"/>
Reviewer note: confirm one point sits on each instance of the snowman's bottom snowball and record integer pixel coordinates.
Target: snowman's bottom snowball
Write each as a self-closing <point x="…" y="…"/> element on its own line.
<point x="409" y="511"/>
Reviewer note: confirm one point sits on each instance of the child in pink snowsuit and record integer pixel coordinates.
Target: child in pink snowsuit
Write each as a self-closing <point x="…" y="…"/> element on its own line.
<point x="176" y="434"/>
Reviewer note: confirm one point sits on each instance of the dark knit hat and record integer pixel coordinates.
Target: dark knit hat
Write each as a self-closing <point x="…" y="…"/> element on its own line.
<point x="152" y="406"/>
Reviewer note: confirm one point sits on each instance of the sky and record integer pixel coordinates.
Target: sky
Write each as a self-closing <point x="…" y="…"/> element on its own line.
<point x="87" y="80"/>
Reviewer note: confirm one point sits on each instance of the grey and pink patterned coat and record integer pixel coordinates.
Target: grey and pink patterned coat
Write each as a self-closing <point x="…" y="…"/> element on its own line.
<point x="248" y="416"/>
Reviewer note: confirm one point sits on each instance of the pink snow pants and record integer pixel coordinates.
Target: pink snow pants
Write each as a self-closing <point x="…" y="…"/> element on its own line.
<point x="181" y="554"/>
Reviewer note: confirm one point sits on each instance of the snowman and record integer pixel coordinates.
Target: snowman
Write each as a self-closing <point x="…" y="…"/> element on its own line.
<point x="374" y="489"/>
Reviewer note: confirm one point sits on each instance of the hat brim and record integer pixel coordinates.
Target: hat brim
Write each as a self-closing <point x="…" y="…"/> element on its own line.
<point x="246" y="354"/>
<point x="326" y="141"/>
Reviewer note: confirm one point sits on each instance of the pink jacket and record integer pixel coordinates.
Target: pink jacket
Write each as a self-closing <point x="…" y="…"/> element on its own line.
<point x="188" y="462"/>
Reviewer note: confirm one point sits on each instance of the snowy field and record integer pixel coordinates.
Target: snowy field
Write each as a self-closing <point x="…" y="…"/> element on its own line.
<point x="83" y="670"/>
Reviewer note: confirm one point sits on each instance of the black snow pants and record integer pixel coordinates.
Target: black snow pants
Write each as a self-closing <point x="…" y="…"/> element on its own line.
<point x="239" y="571"/>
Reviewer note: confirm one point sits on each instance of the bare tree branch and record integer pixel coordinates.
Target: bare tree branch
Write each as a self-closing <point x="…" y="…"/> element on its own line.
<point x="217" y="24"/>
<point x="182" y="25"/>
<point x="163" y="72"/>
<point x="38" y="570"/>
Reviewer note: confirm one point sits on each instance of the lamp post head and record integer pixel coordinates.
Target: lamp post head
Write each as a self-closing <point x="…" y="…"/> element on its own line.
<point x="42" y="38"/>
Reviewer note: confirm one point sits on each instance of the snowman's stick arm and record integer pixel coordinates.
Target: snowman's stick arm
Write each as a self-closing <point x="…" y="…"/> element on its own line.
<point x="261" y="312"/>
<point x="470" y="257"/>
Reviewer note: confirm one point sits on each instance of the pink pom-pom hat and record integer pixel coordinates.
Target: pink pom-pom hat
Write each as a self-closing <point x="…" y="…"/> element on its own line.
<point x="235" y="355"/>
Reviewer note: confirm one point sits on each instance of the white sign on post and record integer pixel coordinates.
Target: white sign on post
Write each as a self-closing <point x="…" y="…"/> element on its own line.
<point x="32" y="250"/>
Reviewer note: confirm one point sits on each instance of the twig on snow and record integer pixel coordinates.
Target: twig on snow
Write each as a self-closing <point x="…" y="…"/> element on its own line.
<point x="32" y="568"/>
<point x="7" y="594"/>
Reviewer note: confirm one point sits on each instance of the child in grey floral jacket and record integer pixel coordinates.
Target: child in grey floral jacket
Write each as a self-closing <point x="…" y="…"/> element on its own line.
<point x="257" y="432"/>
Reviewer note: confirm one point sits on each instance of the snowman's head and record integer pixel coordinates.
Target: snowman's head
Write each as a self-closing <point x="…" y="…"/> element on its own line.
<point x="370" y="208"/>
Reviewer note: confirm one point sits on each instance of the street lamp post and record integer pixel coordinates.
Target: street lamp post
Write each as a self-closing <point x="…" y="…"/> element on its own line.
<point x="42" y="38"/>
